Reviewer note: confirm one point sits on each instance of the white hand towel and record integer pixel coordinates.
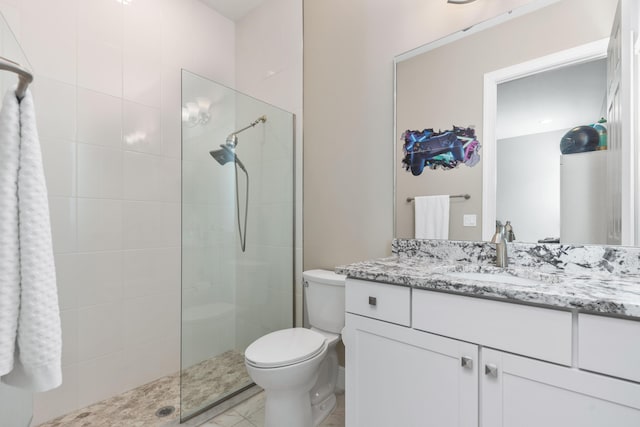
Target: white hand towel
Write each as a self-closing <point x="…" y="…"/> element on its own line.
<point x="37" y="360"/>
<point x="9" y="237"/>
<point x="432" y="217"/>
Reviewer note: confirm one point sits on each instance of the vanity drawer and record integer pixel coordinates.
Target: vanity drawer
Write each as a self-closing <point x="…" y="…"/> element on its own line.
<point x="529" y="331"/>
<point x="390" y="303"/>
<point x="610" y="346"/>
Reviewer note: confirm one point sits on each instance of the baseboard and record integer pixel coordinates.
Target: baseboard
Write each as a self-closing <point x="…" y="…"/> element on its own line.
<point x="340" y="381"/>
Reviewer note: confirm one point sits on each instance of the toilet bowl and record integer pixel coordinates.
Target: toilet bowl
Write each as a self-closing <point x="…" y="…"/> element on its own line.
<point x="298" y="367"/>
<point x="288" y="375"/>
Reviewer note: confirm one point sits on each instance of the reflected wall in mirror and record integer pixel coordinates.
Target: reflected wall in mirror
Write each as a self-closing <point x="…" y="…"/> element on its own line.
<point x="441" y="84"/>
<point x="558" y="197"/>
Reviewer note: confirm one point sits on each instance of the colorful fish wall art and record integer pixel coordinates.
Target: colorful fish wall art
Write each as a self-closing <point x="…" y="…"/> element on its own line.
<point x="445" y="149"/>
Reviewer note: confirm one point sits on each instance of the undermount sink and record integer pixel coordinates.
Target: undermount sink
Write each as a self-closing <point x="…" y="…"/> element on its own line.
<point x="490" y="273"/>
<point x="506" y="279"/>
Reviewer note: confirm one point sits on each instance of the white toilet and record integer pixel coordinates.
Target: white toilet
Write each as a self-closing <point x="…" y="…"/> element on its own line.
<point x="298" y="367"/>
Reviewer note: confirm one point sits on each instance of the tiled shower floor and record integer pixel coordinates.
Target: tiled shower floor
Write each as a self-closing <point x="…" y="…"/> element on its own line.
<point x="204" y="382"/>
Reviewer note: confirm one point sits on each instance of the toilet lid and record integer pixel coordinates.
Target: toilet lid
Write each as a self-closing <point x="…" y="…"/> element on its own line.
<point x="284" y="347"/>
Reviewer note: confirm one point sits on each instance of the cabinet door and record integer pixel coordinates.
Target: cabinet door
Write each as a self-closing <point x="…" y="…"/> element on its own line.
<point x="520" y="392"/>
<point x="397" y="376"/>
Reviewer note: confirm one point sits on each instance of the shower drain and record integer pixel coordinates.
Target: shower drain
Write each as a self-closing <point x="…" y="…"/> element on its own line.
<point x="165" y="411"/>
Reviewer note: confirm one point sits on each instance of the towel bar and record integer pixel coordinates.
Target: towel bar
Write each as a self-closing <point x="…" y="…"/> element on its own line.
<point x="465" y="196"/>
<point x="24" y="76"/>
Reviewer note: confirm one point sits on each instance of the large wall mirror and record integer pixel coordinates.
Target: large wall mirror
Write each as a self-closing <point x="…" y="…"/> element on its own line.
<point x="521" y="82"/>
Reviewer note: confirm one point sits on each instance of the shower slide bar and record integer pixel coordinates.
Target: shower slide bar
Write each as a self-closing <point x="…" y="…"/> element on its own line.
<point x="454" y="196"/>
<point x="24" y="76"/>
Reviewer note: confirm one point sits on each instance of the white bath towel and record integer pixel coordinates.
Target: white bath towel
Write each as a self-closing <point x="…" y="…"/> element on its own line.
<point x="432" y="217"/>
<point x="9" y="238"/>
<point x="38" y="342"/>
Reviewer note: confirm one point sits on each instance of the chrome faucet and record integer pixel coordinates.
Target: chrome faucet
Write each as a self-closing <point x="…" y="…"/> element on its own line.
<point x="500" y="239"/>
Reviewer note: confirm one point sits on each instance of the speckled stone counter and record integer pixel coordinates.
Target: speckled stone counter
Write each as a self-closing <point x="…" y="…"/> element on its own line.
<point x="600" y="279"/>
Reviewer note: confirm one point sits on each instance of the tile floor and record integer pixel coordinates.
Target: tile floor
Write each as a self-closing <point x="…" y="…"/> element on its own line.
<point x="251" y="414"/>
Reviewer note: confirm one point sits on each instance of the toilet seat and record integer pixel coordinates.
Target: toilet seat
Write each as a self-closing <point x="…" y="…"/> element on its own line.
<point x="285" y="347"/>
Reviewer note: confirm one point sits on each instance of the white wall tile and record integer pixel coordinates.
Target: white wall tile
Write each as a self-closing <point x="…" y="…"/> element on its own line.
<point x="101" y="378"/>
<point x="142" y="52"/>
<point x="171" y="180"/>
<point x="150" y="177"/>
<point x="10" y="10"/>
<point x="48" y="37"/>
<point x="271" y="225"/>
<point x="151" y="271"/>
<point x="142" y="26"/>
<point x="184" y="47"/>
<point x="63" y="223"/>
<point x="269" y="67"/>
<point x="101" y="21"/>
<point x="142" y="176"/>
<point x="100" y="67"/>
<point x="100" y="330"/>
<point x="99" y="171"/>
<point x="276" y="181"/>
<point x="171" y="111"/>
<point x="99" y="278"/>
<point x="151" y="224"/>
<point x="99" y="225"/>
<point x="148" y="361"/>
<point x="58" y="401"/>
<point x="142" y="78"/>
<point x="100" y="27"/>
<point x="55" y="104"/>
<point x="69" y="324"/>
<point x="99" y="118"/>
<point x="59" y="161"/>
<point x="91" y="56"/>
<point x="66" y="280"/>
<point x="150" y="318"/>
<point x="141" y="128"/>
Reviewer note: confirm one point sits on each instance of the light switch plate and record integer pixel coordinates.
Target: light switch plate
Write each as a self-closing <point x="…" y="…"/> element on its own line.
<point x="469" y="220"/>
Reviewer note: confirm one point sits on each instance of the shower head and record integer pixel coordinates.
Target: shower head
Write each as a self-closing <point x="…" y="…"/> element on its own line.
<point x="225" y="155"/>
<point x="232" y="139"/>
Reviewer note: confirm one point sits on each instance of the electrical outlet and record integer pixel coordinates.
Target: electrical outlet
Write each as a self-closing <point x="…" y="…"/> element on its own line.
<point x="469" y="220"/>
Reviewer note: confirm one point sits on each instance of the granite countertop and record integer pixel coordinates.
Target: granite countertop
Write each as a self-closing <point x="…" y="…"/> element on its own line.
<point x="594" y="288"/>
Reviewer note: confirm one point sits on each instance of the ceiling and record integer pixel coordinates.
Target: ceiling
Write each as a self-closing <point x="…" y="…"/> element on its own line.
<point x="553" y="100"/>
<point x="233" y="9"/>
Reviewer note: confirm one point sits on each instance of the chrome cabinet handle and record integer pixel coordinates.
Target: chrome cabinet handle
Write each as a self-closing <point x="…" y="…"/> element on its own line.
<point x="373" y="301"/>
<point x="491" y="370"/>
<point x="466" y="362"/>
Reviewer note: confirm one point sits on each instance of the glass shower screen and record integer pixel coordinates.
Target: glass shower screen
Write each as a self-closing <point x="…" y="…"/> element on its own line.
<point x="237" y="235"/>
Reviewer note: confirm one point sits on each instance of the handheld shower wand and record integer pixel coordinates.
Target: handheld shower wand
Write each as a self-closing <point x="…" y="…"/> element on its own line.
<point x="227" y="154"/>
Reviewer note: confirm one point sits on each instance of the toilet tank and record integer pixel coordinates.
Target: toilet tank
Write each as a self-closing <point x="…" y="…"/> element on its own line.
<point x="324" y="297"/>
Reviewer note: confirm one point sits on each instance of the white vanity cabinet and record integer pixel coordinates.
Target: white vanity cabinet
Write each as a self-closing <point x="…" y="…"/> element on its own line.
<point x="464" y="361"/>
<point x="397" y="376"/>
<point x="523" y="392"/>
